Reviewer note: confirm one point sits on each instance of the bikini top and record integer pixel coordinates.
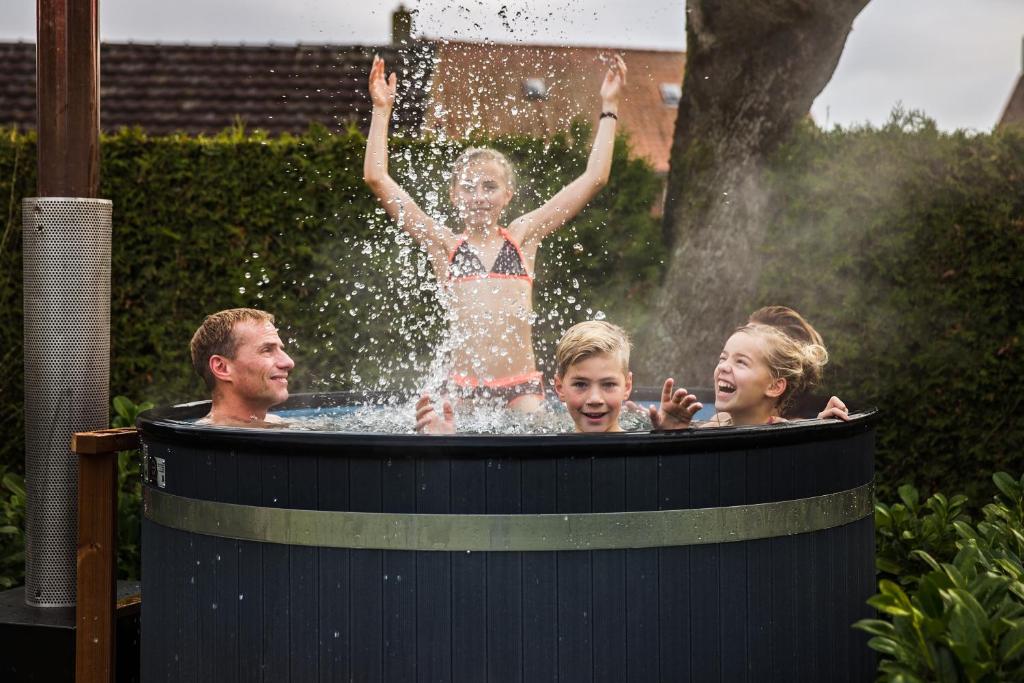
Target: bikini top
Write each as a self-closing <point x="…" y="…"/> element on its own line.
<point x="465" y="263"/>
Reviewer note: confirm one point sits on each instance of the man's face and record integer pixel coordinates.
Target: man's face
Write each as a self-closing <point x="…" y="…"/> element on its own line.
<point x="593" y="391"/>
<point x="259" y="370"/>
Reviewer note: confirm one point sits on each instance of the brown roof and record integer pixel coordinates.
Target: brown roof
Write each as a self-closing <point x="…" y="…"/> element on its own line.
<point x="483" y="90"/>
<point x="1013" y="114"/>
<point x="206" y="88"/>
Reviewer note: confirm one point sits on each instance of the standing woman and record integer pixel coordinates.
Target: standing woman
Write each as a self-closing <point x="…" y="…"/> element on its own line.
<point x="486" y="270"/>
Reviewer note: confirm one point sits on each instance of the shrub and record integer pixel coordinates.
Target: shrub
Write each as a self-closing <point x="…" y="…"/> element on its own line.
<point x="962" y="619"/>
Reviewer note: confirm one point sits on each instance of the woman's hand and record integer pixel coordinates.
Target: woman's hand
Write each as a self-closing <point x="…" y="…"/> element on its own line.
<point x="614" y="82"/>
<point x="382" y="91"/>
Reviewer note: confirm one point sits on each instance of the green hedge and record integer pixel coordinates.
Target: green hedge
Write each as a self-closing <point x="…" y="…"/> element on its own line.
<point x="905" y="247"/>
<point x="286" y="224"/>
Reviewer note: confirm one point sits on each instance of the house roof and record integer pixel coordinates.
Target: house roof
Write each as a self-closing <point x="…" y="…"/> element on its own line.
<point x="206" y="88"/>
<point x="1013" y="114"/>
<point x="483" y="89"/>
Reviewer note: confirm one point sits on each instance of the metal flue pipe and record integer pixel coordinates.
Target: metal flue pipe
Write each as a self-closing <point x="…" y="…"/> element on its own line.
<point x="66" y="280"/>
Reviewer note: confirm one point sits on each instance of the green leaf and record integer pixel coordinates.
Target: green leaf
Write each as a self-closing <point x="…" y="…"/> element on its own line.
<point x="908" y="494"/>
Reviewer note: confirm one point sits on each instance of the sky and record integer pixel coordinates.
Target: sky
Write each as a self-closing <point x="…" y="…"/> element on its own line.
<point x="955" y="60"/>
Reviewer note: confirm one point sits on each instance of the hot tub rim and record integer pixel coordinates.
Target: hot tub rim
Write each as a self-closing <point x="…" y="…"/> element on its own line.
<point x="165" y="424"/>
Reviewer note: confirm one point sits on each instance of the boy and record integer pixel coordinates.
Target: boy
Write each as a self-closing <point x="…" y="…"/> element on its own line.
<point x="592" y="379"/>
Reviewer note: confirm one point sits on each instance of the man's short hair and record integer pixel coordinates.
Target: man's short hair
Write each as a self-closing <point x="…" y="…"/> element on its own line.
<point x="591" y="338"/>
<point x="215" y="337"/>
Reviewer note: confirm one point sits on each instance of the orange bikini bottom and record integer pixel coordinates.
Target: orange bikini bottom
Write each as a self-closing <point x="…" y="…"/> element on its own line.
<point x="508" y="388"/>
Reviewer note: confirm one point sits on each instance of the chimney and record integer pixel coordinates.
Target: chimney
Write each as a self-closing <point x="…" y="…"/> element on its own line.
<point x="401" y="27"/>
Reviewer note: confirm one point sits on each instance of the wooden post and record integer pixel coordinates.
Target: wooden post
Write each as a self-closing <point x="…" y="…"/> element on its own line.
<point x="68" y="97"/>
<point x="95" y="622"/>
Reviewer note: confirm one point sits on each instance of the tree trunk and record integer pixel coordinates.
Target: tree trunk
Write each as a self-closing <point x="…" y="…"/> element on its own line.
<point x="753" y="69"/>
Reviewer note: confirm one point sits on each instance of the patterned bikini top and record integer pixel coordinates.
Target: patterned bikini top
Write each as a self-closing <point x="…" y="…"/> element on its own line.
<point x="465" y="263"/>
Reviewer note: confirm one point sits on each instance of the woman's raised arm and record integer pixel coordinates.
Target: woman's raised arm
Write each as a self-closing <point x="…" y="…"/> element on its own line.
<point x="571" y="199"/>
<point x="395" y="200"/>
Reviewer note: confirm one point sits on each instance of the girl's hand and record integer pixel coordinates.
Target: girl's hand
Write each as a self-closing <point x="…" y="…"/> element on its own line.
<point x="614" y="82"/>
<point x="678" y="406"/>
<point x="429" y="422"/>
<point x="382" y="91"/>
<point x="835" y="408"/>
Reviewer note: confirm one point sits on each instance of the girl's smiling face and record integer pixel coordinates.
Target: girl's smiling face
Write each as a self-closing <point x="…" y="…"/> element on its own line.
<point x="593" y="391"/>
<point x="744" y="386"/>
<point x="480" y="193"/>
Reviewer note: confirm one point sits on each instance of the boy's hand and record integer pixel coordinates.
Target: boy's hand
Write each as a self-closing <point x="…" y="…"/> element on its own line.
<point x="835" y="408"/>
<point x="429" y="422"/>
<point x="382" y="91"/>
<point x="614" y="82"/>
<point x="678" y="406"/>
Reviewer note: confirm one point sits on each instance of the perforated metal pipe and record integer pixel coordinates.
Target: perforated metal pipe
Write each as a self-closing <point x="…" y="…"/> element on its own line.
<point x="66" y="257"/>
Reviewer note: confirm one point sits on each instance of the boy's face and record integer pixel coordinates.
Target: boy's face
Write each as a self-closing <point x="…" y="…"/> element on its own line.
<point x="593" y="390"/>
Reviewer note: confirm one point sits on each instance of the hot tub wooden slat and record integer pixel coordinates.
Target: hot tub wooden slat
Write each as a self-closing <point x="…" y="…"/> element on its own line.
<point x="705" y="574"/>
<point x="276" y="586"/>
<point x="676" y="579"/>
<point x="303" y="634"/>
<point x="398" y="493"/>
<point x="332" y="488"/>
<point x="609" y="495"/>
<point x="504" y="578"/>
<point x="643" y="629"/>
<point x="250" y="574"/>
<point x="575" y="579"/>
<point x="759" y="573"/>
<point x="469" y="632"/>
<point x="732" y="485"/>
<point x="540" y="578"/>
<point x="784" y="571"/>
<point x="434" y="576"/>
<point x="365" y="595"/>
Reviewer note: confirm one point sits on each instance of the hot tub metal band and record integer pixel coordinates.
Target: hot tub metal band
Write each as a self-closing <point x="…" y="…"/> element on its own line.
<point x="447" y="532"/>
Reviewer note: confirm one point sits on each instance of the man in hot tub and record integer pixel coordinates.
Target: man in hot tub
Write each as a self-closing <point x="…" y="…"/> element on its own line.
<point x="240" y="356"/>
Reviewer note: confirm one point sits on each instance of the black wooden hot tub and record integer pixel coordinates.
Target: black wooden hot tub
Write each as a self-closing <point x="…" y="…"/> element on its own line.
<point x="712" y="555"/>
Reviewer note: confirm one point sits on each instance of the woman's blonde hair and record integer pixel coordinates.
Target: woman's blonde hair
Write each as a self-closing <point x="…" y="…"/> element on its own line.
<point x="591" y="338"/>
<point x="800" y="363"/>
<point x="473" y="154"/>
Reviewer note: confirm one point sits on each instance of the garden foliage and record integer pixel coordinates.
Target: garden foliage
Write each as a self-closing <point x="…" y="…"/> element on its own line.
<point x="955" y="612"/>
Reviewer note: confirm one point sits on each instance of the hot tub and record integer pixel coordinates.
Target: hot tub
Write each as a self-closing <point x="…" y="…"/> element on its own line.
<point x="733" y="554"/>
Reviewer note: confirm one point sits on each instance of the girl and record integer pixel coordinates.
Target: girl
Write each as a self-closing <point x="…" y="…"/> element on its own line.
<point x="763" y="367"/>
<point x="486" y="271"/>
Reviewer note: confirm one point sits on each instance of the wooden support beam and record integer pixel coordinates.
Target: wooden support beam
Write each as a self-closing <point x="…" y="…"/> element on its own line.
<point x="67" y="97"/>
<point x="95" y="615"/>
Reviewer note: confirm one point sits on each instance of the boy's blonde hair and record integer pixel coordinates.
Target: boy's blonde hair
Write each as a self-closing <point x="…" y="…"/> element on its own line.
<point x="472" y="154"/>
<point x="216" y="337"/>
<point x="591" y="338"/>
<point x="799" y="362"/>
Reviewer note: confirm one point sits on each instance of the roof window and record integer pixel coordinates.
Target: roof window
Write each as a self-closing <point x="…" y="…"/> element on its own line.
<point x="535" y="89"/>
<point x="671" y="93"/>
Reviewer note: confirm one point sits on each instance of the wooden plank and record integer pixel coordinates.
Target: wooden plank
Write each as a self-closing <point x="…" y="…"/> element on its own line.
<point x="705" y="569"/>
<point x="609" y="495"/>
<point x="540" y="596"/>
<point x="366" y="629"/>
<point x="82" y="155"/>
<point x="335" y="612"/>
<point x="469" y="590"/>
<point x="398" y="494"/>
<point x="250" y="576"/>
<point x="433" y="578"/>
<point x="504" y="578"/>
<point x="303" y="655"/>
<point x="673" y="574"/>
<point x="97" y="578"/>
<point x="575" y="585"/>
<point x="277" y="613"/>
<point x="105" y="441"/>
<point x="759" y="573"/>
<point x="734" y="587"/>
<point x="785" y="587"/>
<point x="51" y="97"/>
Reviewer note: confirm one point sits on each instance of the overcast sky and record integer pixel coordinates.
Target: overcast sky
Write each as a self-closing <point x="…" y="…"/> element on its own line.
<point x="957" y="60"/>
